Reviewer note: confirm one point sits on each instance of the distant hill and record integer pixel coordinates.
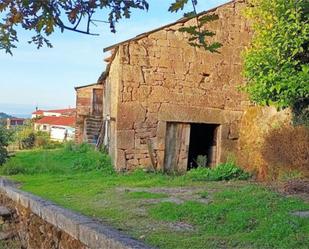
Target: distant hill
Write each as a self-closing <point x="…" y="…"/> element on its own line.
<point x="4" y="115"/>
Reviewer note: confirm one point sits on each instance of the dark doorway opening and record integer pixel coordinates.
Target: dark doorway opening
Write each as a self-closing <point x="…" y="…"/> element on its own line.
<point x="203" y="142"/>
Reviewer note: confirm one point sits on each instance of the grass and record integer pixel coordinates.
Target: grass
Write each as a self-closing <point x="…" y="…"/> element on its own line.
<point x="204" y="194"/>
<point x="240" y="214"/>
<point x="146" y="195"/>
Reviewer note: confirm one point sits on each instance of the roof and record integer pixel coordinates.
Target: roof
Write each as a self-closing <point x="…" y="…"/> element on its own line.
<point x="93" y="84"/>
<point x="38" y="112"/>
<point x="182" y="20"/>
<point x="60" y="111"/>
<point x="17" y="119"/>
<point x="63" y="121"/>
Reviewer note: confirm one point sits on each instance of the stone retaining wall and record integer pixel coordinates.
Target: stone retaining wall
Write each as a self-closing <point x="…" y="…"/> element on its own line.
<point x="41" y="224"/>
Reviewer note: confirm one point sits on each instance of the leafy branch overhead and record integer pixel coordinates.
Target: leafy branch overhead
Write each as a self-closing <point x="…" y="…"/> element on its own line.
<point x="43" y="17"/>
<point x="198" y="34"/>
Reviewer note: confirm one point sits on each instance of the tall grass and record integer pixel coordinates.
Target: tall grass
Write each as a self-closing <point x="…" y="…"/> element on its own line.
<point x="70" y="159"/>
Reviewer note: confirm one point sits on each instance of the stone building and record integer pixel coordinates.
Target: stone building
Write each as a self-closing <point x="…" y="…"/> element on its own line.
<point x="89" y="104"/>
<point x="166" y="102"/>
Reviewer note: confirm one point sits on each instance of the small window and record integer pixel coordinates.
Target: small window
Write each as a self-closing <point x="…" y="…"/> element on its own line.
<point x="44" y="127"/>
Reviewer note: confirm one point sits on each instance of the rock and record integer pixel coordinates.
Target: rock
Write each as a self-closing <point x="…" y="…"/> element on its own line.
<point x="6" y="235"/>
<point x="4" y="212"/>
<point x="302" y="214"/>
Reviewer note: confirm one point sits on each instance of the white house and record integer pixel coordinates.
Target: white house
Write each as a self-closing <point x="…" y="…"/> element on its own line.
<point x="60" y="128"/>
<point x="54" y="113"/>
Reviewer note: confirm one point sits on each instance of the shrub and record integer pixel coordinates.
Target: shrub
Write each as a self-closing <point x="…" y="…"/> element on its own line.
<point x="286" y="148"/>
<point x="276" y="64"/>
<point x="28" y="142"/>
<point x="225" y="171"/>
<point x="12" y="169"/>
<point x="201" y="161"/>
<point x="83" y="148"/>
<point x="5" y="138"/>
<point x="42" y="139"/>
<point x="3" y="155"/>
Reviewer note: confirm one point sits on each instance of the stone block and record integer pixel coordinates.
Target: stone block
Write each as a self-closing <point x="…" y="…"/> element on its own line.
<point x="234" y="131"/>
<point x="4" y="211"/>
<point x="48" y="214"/>
<point x="12" y="193"/>
<point x="98" y="236"/>
<point x="125" y="139"/>
<point x="69" y="222"/>
<point x="145" y="162"/>
<point x="120" y="162"/>
<point x="128" y="113"/>
<point x="159" y="35"/>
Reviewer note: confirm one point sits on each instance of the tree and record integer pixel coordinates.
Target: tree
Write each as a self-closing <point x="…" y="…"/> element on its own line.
<point x="44" y="16"/>
<point x="276" y="65"/>
<point x="5" y="138"/>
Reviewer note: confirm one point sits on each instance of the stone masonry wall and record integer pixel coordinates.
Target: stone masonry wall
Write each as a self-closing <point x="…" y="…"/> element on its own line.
<point x="164" y="79"/>
<point x="41" y="224"/>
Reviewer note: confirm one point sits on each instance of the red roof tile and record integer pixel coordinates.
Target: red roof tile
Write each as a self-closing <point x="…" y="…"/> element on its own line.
<point x="63" y="111"/>
<point x="60" y="111"/>
<point x="64" y="121"/>
<point x="38" y="112"/>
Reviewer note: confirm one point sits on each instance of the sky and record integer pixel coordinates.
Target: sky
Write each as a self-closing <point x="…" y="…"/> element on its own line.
<point x="46" y="77"/>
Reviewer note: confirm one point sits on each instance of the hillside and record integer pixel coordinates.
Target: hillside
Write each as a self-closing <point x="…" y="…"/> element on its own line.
<point x="4" y="115"/>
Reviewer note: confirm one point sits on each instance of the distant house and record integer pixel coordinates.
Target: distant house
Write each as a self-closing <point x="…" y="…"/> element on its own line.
<point x="89" y="111"/>
<point x="14" y="122"/>
<point x="54" y="113"/>
<point x="60" y="128"/>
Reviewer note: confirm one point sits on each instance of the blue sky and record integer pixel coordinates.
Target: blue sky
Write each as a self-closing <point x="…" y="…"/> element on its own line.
<point x="47" y="77"/>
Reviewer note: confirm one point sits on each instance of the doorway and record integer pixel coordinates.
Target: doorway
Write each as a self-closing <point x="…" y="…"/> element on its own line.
<point x="97" y="102"/>
<point x="203" y="148"/>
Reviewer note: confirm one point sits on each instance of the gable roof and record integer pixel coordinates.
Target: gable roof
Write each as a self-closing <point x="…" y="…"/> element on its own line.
<point x="63" y="121"/>
<point x="38" y="112"/>
<point x="60" y="111"/>
<point x="182" y="20"/>
<point x="93" y="84"/>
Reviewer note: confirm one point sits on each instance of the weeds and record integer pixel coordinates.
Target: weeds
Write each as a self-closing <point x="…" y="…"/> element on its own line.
<point x="224" y="171"/>
<point x="67" y="160"/>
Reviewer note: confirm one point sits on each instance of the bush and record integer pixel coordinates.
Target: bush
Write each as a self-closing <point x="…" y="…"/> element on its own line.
<point x="12" y="169"/>
<point x="5" y="138"/>
<point x="225" y="171"/>
<point x="3" y="155"/>
<point x="89" y="159"/>
<point x="41" y="139"/>
<point x="286" y="148"/>
<point x="83" y="148"/>
<point x="28" y="142"/>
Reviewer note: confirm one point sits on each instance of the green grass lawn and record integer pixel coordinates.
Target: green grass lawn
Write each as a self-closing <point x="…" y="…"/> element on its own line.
<point x="157" y="208"/>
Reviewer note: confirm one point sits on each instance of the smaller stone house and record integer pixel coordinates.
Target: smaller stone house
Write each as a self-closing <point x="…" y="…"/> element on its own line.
<point x="12" y="123"/>
<point x="165" y="102"/>
<point x="89" y="104"/>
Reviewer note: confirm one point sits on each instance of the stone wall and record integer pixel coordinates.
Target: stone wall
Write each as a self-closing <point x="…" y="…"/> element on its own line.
<point x="84" y="104"/>
<point x="41" y="224"/>
<point x="257" y="122"/>
<point x="163" y="79"/>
